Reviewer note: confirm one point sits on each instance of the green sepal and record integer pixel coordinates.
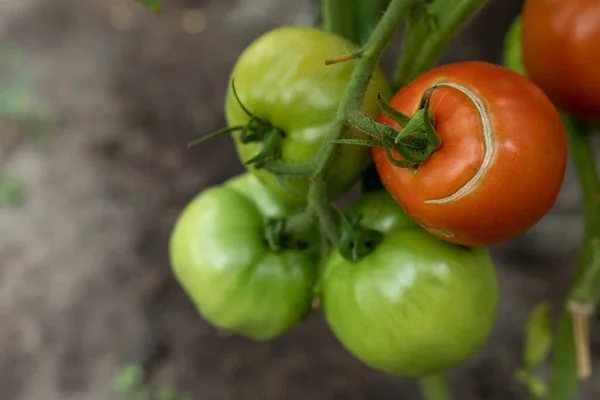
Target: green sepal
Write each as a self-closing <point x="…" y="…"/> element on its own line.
<point x="391" y="112"/>
<point x="357" y="242"/>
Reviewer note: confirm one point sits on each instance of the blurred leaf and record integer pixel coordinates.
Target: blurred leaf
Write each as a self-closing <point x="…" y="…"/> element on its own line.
<point x="128" y="379"/>
<point x="511" y="57"/>
<point x="539" y="335"/>
<point x="171" y="393"/>
<point x="536" y="386"/>
<point x="11" y="190"/>
<point x="152" y="5"/>
<point x="20" y="99"/>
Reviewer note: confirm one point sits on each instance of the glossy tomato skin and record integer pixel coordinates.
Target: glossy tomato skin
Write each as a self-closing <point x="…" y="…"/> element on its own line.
<point x="282" y="77"/>
<point x="380" y="211"/>
<point x="416" y="305"/>
<point x="221" y="259"/>
<point x="560" y="45"/>
<point x="477" y="189"/>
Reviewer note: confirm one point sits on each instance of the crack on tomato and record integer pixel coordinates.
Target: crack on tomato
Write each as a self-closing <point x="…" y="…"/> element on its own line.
<point x="488" y="141"/>
<point x="439" y="232"/>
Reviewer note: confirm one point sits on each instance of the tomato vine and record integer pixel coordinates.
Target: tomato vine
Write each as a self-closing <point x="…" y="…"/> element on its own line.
<point x="429" y="25"/>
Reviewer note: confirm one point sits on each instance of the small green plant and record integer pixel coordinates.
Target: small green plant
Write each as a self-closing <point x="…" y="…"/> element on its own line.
<point x="11" y="190"/>
<point x="130" y="384"/>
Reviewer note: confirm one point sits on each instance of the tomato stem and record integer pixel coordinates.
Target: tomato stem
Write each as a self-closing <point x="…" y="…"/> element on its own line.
<point x="344" y="58"/>
<point x="572" y="347"/>
<point x="425" y="41"/>
<point x="350" y="105"/>
<point x="320" y="205"/>
<point x="337" y="18"/>
<point x="366" y="14"/>
<point x="434" y="387"/>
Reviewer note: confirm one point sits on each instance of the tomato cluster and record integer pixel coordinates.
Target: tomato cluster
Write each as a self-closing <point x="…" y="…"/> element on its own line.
<point x="421" y="295"/>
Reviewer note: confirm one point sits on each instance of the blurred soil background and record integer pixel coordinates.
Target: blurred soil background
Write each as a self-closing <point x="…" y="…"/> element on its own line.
<point x="98" y="99"/>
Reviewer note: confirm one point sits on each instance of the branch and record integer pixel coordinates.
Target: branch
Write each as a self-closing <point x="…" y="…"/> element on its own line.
<point x="426" y="37"/>
<point x="571" y="355"/>
<point x="351" y="103"/>
<point x="338" y="18"/>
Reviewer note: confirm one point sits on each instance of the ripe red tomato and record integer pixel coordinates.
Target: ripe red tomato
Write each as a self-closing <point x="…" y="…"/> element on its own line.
<point x="502" y="159"/>
<point x="561" y="52"/>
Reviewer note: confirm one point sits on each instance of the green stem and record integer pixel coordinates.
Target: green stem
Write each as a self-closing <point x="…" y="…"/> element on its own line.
<point x="424" y="44"/>
<point x="366" y="15"/>
<point x="319" y="204"/>
<point x="571" y="350"/>
<point x="281" y="168"/>
<point x="337" y="18"/>
<point x="351" y="103"/>
<point x="434" y="387"/>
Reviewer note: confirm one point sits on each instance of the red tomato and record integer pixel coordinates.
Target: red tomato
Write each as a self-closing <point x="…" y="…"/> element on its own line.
<point x="502" y="159"/>
<point x="561" y="52"/>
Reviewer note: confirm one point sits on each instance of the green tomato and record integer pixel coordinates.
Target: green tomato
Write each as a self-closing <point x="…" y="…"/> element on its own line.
<point x="512" y="56"/>
<point x="414" y="306"/>
<point x="281" y="77"/>
<point x="221" y="258"/>
<point x="380" y="211"/>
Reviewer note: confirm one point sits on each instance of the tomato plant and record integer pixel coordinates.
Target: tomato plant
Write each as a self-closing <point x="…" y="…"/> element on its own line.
<point x="560" y="41"/>
<point x="292" y="99"/>
<point x="238" y="279"/>
<point x="414" y="306"/>
<point x="501" y="162"/>
<point x="470" y="154"/>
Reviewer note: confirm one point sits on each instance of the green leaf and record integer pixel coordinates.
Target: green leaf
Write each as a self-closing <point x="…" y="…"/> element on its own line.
<point x="11" y="190"/>
<point x="564" y="382"/>
<point x="539" y="335"/>
<point x="152" y="5"/>
<point x="535" y="385"/>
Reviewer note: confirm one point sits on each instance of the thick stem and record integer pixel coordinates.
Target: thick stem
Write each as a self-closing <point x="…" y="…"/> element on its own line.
<point x="366" y="15"/>
<point x="434" y="387"/>
<point x="424" y="44"/>
<point x="571" y="351"/>
<point x="338" y="18"/>
<point x="351" y="103"/>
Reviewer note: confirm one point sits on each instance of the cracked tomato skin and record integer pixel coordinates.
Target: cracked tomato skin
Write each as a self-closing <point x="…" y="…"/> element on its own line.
<point x="282" y="77"/>
<point x="221" y="259"/>
<point x="560" y="46"/>
<point x="416" y="305"/>
<point x="502" y="160"/>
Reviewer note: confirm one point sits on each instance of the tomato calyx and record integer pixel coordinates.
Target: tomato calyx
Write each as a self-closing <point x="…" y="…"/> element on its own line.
<point x="357" y="241"/>
<point x="279" y="238"/>
<point x="258" y="129"/>
<point x="415" y="143"/>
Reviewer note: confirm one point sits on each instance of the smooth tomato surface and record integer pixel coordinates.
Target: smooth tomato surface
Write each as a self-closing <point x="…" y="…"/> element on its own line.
<point x="501" y="163"/>
<point x="561" y="52"/>
<point x="282" y="77"/>
<point x="221" y="259"/>
<point x="416" y="305"/>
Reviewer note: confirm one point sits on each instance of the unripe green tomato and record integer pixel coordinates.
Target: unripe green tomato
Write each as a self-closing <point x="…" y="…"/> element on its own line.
<point x="282" y="78"/>
<point x="222" y="260"/>
<point x="380" y="211"/>
<point x="415" y="306"/>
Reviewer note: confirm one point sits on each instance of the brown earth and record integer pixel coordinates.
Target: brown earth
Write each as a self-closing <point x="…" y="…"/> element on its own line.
<point x="85" y="284"/>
